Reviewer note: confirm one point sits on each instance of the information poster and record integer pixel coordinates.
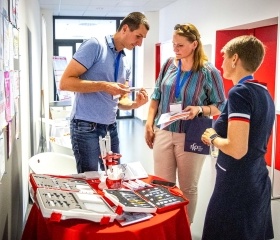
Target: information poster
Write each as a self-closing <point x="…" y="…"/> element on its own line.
<point x="2" y="101"/>
<point x="2" y="156"/>
<point x="59" y="65"/>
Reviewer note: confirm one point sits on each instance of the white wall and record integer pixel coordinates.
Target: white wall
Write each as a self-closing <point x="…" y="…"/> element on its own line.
<point x="29" y="17"/>
<point x="145" y="62"/>
<point x="210" y="16"/>
<point x="47" y="14"/>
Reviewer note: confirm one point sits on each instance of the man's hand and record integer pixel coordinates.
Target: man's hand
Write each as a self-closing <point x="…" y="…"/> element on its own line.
<point x="116" y="88"/>
<point x="141" y="97"/>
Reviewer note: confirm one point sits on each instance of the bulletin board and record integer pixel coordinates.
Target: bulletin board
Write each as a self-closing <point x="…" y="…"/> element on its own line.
<point x="9" y="72"/>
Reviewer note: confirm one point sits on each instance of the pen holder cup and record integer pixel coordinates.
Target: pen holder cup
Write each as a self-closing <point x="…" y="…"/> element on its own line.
<point x="113" y="183"/>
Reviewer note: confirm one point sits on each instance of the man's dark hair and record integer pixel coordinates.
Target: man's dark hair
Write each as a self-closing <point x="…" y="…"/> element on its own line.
<point x="134" y="20"/>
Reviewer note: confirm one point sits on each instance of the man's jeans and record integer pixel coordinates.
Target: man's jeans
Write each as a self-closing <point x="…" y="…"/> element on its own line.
<point x="85" y="143"/>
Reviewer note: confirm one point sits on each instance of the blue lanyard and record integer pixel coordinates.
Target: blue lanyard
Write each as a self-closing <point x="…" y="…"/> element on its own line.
<point x="249" y="77"/>
<point x="178" y="83"/>
<point x="117" y="64"/>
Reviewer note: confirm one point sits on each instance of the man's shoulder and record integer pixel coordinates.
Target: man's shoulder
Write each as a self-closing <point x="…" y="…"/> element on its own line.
<point x="94" y="42"/>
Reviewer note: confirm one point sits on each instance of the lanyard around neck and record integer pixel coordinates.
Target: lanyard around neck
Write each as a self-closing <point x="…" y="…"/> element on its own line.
<point x="179" y="83"/>
<point x="242" y="80"/>
<point x="117" y="64"/>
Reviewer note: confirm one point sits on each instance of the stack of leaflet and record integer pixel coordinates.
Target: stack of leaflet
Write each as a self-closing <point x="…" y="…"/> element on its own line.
<point x="61" y="198"/>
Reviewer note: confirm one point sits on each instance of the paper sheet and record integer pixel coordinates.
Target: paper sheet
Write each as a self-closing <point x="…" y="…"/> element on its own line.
<point x="170" y="117"/>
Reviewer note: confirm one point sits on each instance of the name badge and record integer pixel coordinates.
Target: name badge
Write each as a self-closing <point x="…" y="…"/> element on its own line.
<point x="175" y="107"/>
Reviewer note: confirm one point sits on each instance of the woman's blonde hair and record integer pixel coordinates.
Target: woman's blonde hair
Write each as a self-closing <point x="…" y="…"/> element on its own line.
<point x="190" y="32"/>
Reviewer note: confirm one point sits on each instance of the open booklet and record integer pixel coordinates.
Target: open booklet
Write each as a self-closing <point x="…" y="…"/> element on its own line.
<point x="170" y="117"/>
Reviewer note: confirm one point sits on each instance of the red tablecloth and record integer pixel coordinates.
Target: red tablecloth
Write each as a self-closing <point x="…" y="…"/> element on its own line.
<point x="171" y="225"/>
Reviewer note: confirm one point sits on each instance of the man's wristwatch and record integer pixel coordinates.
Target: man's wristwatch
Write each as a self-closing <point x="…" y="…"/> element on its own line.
<point x="213" y="137"/>
<point x="200" y="111"/>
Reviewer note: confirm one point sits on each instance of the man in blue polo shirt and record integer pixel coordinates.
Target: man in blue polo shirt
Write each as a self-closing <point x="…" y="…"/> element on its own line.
<point x="98" y="74"/>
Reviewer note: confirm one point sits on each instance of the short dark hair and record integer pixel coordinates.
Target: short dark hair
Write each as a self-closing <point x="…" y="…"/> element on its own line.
<point x="250" y="50"/>
<point x="134" y="20"/>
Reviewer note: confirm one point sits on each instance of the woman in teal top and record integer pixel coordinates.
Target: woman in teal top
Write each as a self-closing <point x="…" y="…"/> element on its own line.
<point x="191" y="84"/>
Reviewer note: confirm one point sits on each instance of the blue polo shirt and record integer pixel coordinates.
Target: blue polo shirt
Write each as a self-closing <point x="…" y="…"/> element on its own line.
<point x="98" y="56"/>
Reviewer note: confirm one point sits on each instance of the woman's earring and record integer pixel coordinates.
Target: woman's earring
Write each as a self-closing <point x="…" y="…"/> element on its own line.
<point x="233" y="65"/>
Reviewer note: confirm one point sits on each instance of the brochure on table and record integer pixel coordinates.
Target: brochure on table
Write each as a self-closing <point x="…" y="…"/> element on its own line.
<point x="148" y="200"/>
<point x="129" y="201"/>
<point x="164" y="198"/>
<point x="128" y="218"/>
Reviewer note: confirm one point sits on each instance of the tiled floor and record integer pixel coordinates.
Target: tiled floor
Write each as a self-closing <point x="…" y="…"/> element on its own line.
<point x="134" y="148"/>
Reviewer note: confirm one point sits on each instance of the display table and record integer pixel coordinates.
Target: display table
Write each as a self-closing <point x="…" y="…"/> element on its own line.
<point x="171" y="225"/>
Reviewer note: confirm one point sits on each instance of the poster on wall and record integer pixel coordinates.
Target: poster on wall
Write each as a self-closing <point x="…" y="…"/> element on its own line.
<point x="8" y="76"/>
<point x="11" y="47"/>
<point x="16" y="84"/>
<point x="3" y="122"/>
<point x="15" y="43"/>
<point x="2" y="156"/>
<point x="59" y="65"/>
<point x="6" y="45"/>
<point x="1" y="42"/>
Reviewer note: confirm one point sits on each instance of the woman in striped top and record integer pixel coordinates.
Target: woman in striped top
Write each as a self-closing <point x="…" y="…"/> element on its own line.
<point x="189" y="83"/>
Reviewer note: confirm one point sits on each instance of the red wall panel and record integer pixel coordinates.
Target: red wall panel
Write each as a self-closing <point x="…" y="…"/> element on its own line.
<point x="157" y="60"/>
<point x="222" y="37"/>
<point x="266" y="73"/>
